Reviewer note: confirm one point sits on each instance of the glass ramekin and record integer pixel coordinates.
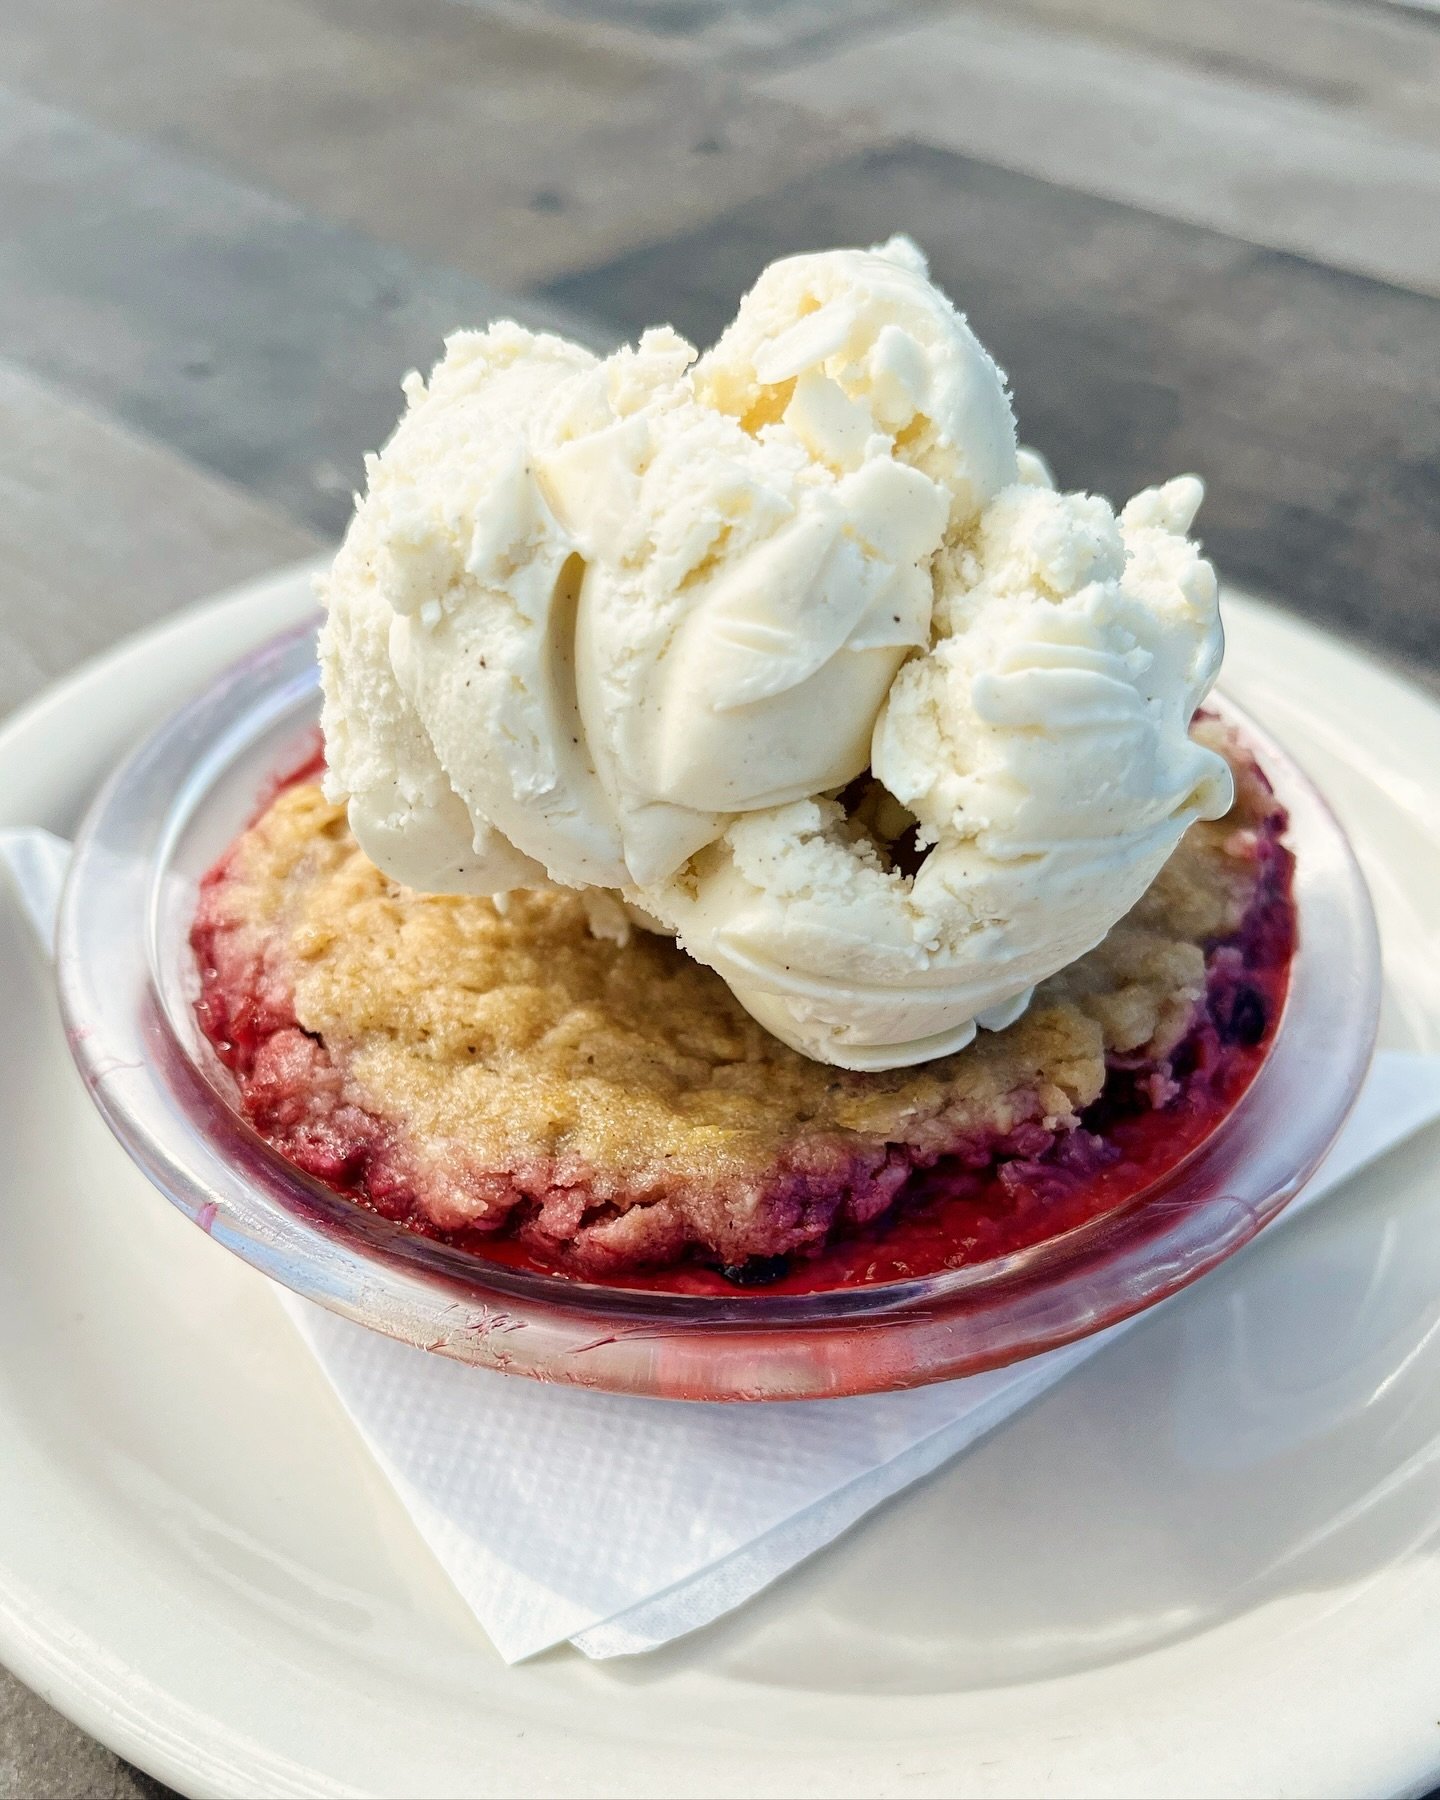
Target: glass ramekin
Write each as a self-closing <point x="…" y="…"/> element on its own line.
<point x="127" y="987"/>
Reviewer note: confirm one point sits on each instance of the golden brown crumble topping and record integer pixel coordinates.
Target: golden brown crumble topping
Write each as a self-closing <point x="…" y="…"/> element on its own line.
<point x="506" y="1036"/>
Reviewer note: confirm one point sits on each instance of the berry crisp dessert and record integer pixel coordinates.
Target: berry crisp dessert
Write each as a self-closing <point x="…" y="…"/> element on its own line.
<point x="768" y="834"/>
<point x="534" y="1083"/>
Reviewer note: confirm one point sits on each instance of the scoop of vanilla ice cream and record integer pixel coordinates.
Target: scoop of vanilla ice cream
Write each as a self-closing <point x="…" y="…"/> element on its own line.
<point x="639" y="623"/>
<point x="1040" y="755"/>
<point x="629" y="599"/>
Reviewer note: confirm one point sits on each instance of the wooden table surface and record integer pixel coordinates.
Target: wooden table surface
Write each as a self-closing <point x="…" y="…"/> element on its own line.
<point x="1196" y="238"/>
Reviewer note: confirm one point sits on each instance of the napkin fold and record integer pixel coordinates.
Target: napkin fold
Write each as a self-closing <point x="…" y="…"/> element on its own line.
<point x="619" y="1523"/>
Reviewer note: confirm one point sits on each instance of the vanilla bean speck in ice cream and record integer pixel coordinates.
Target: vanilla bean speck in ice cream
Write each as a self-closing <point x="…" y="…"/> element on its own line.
<point x="784" y="648"/>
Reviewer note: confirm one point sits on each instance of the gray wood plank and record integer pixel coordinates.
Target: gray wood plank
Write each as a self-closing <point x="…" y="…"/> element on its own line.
<point x="102" y="532"/>
<point x="1370" y="60"/>
<point x="1138" y="347"/>
<point x="512" y="145"/>
<point x="1285" y="169"/>
<point x="261" y="343"/>
<point x="738" y="30"/>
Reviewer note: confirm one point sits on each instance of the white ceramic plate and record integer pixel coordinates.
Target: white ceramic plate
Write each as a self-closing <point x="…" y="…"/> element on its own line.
<point x="1206" y="1564"/>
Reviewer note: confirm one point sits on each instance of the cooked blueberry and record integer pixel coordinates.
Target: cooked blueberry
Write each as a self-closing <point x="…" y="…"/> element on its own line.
<point x="1244" y="1020"/>
<point x="756" y="1271"/>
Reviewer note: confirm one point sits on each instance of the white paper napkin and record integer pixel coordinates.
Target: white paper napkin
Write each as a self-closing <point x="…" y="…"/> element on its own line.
<point x="620" y="1523"/>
